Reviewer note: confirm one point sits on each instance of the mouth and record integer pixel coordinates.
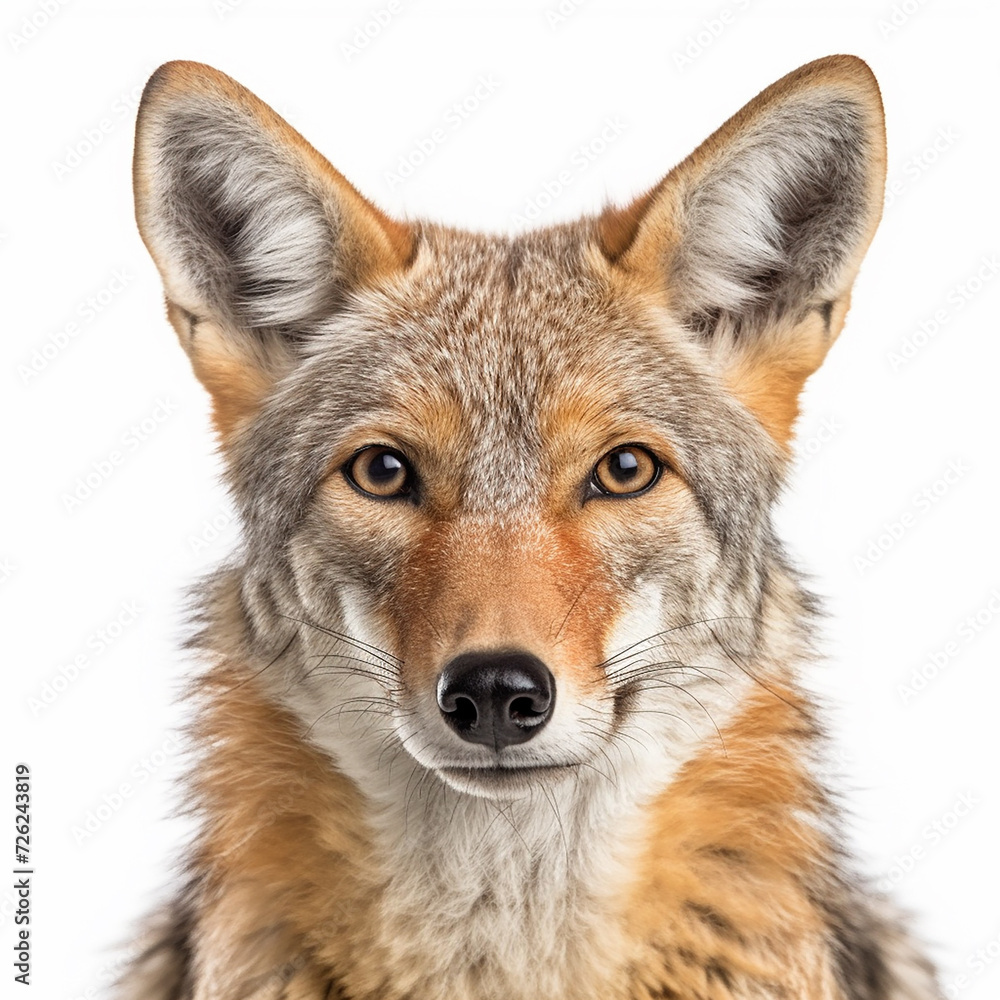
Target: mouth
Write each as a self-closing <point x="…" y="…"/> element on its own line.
<point x="504" y="782"/>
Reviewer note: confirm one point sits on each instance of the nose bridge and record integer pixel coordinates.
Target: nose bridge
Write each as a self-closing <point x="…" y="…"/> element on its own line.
<point x="498" y="583"/>
<point x="511" y="584"/>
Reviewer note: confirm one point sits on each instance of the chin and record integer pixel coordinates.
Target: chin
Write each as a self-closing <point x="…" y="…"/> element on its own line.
<point x="506" y="783"/>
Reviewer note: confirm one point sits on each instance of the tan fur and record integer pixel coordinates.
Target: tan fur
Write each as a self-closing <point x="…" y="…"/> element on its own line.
<point x="267" y="798"/>
<point x="769" y="382"/>
<point x="730" y="847"/>
<point x="237" y="387"/>
<point x="659" y="835"/>
<point x="562" y="611"/>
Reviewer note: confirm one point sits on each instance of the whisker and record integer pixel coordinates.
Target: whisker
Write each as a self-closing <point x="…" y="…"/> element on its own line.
<point x="582" y="591"/>
<point x="374" y="664"/>
<point x="600" y="745"/>
<point x="732" y="658"/>
<point x="513" y="825"/>
<point x="642" y="668"/>
<point x="550" y="798"/>
<point x="382" y="706"/>
<point x="654" y="678"/>
<point x="246" y="680"/>
<point x="410" y="791"/>
<point x="593" y="767"/>
<point x="341" y="707"/>
<point x="675" y="628"/>
<point x="386" y="683"/>
<point x="383" y="654"/>
<point x="634" y="661"/>
<point x="389" y="742"/>
<point x="669" y="715"/>
<point x="618" y="734"/>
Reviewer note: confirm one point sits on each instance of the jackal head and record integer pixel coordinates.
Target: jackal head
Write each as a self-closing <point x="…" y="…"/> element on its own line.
<point x="506" y="499"/>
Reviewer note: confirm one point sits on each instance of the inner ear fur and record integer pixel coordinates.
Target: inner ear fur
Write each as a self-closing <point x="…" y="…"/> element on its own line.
<point x="754" y="240"/>
<point x="256" y="236"/>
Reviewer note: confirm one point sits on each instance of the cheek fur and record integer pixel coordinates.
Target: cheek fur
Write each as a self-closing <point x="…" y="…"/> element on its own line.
<point x="659" y="535"/>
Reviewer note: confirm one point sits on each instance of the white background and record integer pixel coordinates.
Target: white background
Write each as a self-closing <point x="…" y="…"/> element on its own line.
<point x="873" y="435"/>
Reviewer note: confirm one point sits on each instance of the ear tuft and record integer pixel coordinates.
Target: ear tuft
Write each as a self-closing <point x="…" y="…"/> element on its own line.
<point x="255" y="235"/>
<point x="773" y="211"/>
<point x="247" y="222"/>
<point x="773" y="225"/>
<point x="755" y="239"/>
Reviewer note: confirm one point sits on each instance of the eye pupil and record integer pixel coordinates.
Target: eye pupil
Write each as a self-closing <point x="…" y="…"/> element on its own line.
<point x="379" y="472"/>
<point x="624" y="466"/>
<point x="625" y="471"/>
<point x="384" y="467"/>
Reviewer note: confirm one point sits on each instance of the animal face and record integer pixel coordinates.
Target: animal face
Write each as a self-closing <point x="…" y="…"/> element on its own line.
<point x="507" y="498"/>
<point x="527" y="481"/>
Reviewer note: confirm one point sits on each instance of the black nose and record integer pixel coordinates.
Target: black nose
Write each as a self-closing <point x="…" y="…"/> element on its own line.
<point x="496" y="699"/>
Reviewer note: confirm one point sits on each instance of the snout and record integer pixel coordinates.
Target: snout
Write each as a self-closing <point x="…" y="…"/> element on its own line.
<point x="496" y="698"/>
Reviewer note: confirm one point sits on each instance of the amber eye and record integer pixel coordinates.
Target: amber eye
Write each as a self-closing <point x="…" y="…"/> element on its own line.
<point x="626" y="470"/>
<point x="380" y="472"/>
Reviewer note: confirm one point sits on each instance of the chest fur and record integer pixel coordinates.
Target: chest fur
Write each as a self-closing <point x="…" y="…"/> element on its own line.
<point x="576" y="892"/>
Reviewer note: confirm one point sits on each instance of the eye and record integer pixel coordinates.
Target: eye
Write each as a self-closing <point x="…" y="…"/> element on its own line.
<point x="380" y="472"/>
<point x="625" y="471"/>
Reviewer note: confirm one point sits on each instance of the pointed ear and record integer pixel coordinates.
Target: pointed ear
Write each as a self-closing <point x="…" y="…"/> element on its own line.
<point x="256" y="236"/>
<point x="755" y="239"/>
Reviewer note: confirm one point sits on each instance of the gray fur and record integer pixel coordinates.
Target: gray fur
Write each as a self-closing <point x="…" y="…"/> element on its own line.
<point x="770" y="228"/>
<point x="495" y="325"/>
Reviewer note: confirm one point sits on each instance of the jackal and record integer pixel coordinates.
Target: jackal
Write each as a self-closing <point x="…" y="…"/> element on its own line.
<point x="501" y="694"/>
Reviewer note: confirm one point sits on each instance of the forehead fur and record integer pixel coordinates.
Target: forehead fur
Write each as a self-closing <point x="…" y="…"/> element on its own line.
<point x="495" y="332"/>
